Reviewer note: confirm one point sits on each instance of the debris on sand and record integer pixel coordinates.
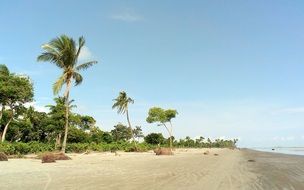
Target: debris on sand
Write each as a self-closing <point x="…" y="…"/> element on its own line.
<point x="48" y="158"/>
<point x="163" y="151"/>
<point x="3" y="157"/>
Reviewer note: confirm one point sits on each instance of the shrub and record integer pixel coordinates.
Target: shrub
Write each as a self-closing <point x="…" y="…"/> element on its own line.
<point x="7" y="148"/>
<point x="154" y="138"/>
<point x="77" y="147"/>
<point x="19" y="148"/>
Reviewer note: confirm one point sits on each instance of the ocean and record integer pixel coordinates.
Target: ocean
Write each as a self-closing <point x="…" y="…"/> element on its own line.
<point x="284" y="150"/>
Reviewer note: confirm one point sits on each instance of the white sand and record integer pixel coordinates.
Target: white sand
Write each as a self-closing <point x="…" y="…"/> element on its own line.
<point x="187" y="169"/>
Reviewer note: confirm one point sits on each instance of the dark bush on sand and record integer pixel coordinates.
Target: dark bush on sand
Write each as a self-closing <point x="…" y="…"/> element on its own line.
<point x="3" y="157"/>
<point x="48" y="158"/>
<point x="61" y="156"/>
<point x="52" y="157"/>
<point x="163" y="151"/>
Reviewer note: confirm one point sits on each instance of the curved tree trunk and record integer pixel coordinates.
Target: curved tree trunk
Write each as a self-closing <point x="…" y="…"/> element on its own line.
<point x="1" y="113"/>
<point x="67" y="109"/>
<point x="131" y="130"/>
<point x="170" y="134"/>
<point x="58" y="141"/>
<point x="6" y="127"/>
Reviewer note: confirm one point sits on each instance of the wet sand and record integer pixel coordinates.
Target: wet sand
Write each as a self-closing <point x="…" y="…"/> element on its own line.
<point x="187" y="169"/>
<point x="276" y="171"/>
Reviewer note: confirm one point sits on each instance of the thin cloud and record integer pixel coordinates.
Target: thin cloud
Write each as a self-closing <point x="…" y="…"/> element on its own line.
<point x="37" y="107"/>
<point x="85" y="54"/>
<point x="295" y="110"/>
<point x="287" y="138"/>
<point x="127" y="16"/>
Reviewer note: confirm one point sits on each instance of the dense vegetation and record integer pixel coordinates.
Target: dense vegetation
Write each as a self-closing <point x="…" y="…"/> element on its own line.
<point x="24" y="130"/>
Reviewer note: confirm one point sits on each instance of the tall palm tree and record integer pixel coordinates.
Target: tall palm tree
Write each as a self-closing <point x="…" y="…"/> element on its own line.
<point x="121" y="103"/>
<point x="64" y="53"/>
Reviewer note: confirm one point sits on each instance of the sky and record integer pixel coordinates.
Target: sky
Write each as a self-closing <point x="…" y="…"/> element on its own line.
<point x="232" y="69"/>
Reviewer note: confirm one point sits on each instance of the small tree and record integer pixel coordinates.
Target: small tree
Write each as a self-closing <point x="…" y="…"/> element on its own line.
<point x="15" y="90"/>
<point x="121" y="133"/>
<point x="161" y="116"/>
<point x="137" y="132"/>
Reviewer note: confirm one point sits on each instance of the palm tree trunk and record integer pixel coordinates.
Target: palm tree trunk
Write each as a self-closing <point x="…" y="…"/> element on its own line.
<point x="131" y="130"/>
<point x="6" y="127"/>
<point x="66" y="128"/>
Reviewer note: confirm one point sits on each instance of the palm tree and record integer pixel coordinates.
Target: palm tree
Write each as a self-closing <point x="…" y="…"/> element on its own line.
<point x="64" y="53"/>
<point x="121" y="103"/>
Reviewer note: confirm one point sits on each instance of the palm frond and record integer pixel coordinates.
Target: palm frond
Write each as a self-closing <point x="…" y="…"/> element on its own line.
<point x="81" y="42"/>
<point x="59" y="83"/>
<point x="51" y="57"/>
<point x="86" y="65"/>
<point x="77" y="77"/>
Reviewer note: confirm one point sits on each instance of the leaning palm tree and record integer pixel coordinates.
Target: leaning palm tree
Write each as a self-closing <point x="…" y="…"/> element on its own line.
<point x="64" y="53"/>
<point x="121" y="103"/>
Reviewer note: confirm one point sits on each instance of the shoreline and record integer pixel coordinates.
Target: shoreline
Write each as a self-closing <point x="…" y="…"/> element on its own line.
<point x="281" y="150"/>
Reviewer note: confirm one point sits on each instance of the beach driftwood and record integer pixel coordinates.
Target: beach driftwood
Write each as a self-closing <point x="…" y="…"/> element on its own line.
<point x="48" y="158"/>
<point x="52" y="157"/>
<point x="3" y="157"/>
<point x="163" y="151"/>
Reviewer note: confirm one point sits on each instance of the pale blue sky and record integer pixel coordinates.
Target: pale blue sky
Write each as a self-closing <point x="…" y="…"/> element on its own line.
<point x="230" y="68"/>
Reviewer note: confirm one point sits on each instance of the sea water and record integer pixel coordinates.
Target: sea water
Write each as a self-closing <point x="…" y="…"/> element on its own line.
<point x="284" y="150"/>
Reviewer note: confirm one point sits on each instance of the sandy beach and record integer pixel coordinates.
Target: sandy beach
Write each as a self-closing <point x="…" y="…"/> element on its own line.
<point x="187" y="169"/>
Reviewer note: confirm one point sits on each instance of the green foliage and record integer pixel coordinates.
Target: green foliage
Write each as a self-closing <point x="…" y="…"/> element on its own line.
<point x="77" y="135"/>
<point x="202" y="143"/>
<point x="154" y="138"/>
<point x="160" y="115"/>
<point x="98" y="136"/>
<point x="15" y="91"/>
<point x="122" y="102"/>
<point x="121" y="133"/>
<point x="63" y="52"/>
<point x="25" y="148"/>
<point x="137" y="132"/>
